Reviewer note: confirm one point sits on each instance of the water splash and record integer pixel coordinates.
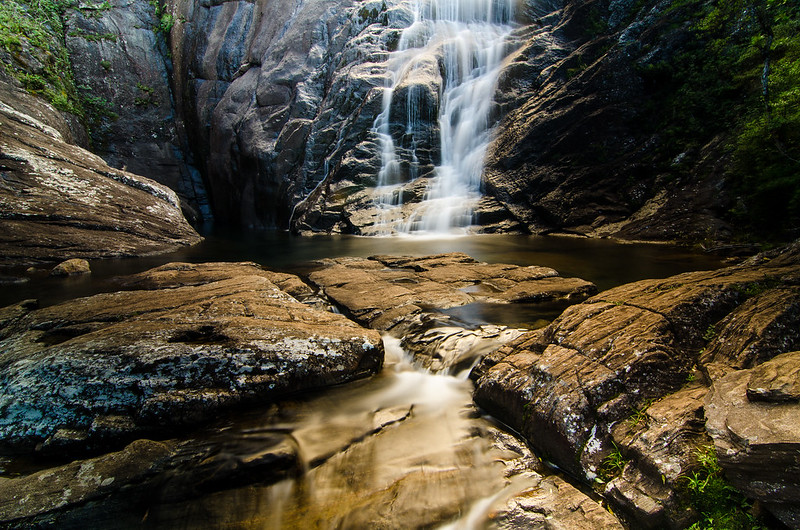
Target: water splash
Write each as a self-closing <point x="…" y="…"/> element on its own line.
<point x="463" y="42"/>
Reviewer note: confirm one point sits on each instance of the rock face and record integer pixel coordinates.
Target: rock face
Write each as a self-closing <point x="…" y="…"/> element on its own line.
<point x="606" y="360"/>
<point x="274" y="98"/>
<point x="405" y="296"/>
<point x="120" y="61"/>
<point x="572" y="152"/>
<point x="97" y="370"/>
<point x="58" y="201"/>
<point x="754" y="418"/>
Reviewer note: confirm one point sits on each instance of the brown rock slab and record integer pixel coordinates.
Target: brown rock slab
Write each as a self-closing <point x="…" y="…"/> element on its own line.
<point x="405" y="296"/>
<point x="777" y="380"/>
<point x="59" y="201"/>
<point x="405" y="286"/>
<point x="108" y="367"/>
<point x="757" y="442"/>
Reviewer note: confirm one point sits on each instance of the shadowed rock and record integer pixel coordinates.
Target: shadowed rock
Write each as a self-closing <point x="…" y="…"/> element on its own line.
<point x="58" y="201"/>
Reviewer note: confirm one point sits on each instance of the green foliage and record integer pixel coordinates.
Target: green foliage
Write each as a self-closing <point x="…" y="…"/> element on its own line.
<point x="96" y="108"/>
<point x="93" y="37"/>
<point x="721" y="507"/>
<point x="737" y="76"/>
<point x="612" y="465"/>
<point x="755" y="288"/>
<point x="31" y="32"/>
<point x="147" y="96"/>
<point x="710" y="333"/>
<point x="639" y="416"/>
<point x="165" y="19"/>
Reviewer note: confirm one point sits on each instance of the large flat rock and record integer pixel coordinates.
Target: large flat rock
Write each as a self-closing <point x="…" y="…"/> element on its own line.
<point x="59" y="201"/>
<point x="111" y="366"/>
<point x="383" y="291"/>
<point x="406" y="295"/>
<point x="606" y="360"/>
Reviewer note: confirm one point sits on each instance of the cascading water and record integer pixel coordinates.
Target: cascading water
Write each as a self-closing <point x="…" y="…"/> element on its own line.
<point x="467" y="39"/>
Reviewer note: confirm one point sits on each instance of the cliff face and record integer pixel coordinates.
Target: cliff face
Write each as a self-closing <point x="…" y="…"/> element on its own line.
<point x="275" y="95"/>
<point x="607" y="122"/>
<point x="574" y="153"/>
<point x="122" y="72"/>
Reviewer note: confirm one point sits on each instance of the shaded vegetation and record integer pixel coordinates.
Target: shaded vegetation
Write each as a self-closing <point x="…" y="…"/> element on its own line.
<point x="721" y="507"/>
<point x="737" y="76"/>
<point x="32" y="41"/>
<point x="34" y="52"/>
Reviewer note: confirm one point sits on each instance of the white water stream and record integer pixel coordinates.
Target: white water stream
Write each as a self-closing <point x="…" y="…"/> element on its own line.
<point x="467" y="38"/>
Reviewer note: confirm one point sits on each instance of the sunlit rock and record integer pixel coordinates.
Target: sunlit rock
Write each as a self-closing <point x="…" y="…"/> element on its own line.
<point x="58" y="201"/>
<point x="94" y="371"/>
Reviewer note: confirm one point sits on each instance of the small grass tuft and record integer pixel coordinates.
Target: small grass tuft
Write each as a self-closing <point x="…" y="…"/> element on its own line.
<point x="719" y="504"/>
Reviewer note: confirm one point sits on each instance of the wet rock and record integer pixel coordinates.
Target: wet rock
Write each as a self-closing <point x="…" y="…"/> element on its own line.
<point x="38" y="499"/>
<point x="112" y="366"/>
<point x="58" y="201"/>
<point x="382" y="291"/>
<point x="71" y="267"/>
<point x="454" y="348"/>
<point x="757" y="441"/>
<point x="572" y="387"/>
<point x="552" y="504"/>
<point x="277" y="98"/>
<point x="405" y="296"/>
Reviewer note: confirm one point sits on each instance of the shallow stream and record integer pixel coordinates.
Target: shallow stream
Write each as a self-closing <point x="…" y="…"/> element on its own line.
<point x="403" y="449"/>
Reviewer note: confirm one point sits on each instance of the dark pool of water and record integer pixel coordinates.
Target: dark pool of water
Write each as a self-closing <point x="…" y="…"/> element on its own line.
<point x="603" y="262"/>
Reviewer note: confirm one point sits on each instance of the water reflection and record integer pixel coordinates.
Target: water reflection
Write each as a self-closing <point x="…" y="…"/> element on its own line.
<point x="603" y="262"/>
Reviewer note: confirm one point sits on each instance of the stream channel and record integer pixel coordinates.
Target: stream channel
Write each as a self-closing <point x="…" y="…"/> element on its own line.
<point x="404" y="449"/>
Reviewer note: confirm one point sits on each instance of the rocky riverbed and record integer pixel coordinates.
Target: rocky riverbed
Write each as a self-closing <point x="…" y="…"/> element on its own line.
<point x="655" y="370"/>
<point x="658" y="371"/>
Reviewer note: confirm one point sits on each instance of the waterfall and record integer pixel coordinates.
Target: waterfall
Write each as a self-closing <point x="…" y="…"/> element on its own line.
<point x="463" y="42"/>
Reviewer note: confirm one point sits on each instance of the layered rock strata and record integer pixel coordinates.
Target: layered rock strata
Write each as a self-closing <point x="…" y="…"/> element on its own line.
<point x="95" y="371"/>
<point x="584" y="381"/>
<point x="58" y="201"/>
<point x="405" y="295"/>
<point x="121" y="67"/>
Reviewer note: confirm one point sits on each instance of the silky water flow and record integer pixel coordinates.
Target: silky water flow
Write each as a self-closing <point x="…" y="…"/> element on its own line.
<point x="468" y="41"/>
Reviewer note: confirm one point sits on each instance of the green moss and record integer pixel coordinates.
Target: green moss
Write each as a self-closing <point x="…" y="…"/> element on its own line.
<point x="33" y="32"/>
<point x="146" y="96"/>
<point x="755" y="288"/>
<point x="93" y="37"/>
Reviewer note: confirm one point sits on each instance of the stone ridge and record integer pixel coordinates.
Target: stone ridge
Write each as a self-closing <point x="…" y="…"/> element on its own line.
<point x="58" y="201"/>
<point x="573" y="387"/>
<point x="404" y="296"/>
<point x="381" y="291"/>
<point x="97" y="370"/>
